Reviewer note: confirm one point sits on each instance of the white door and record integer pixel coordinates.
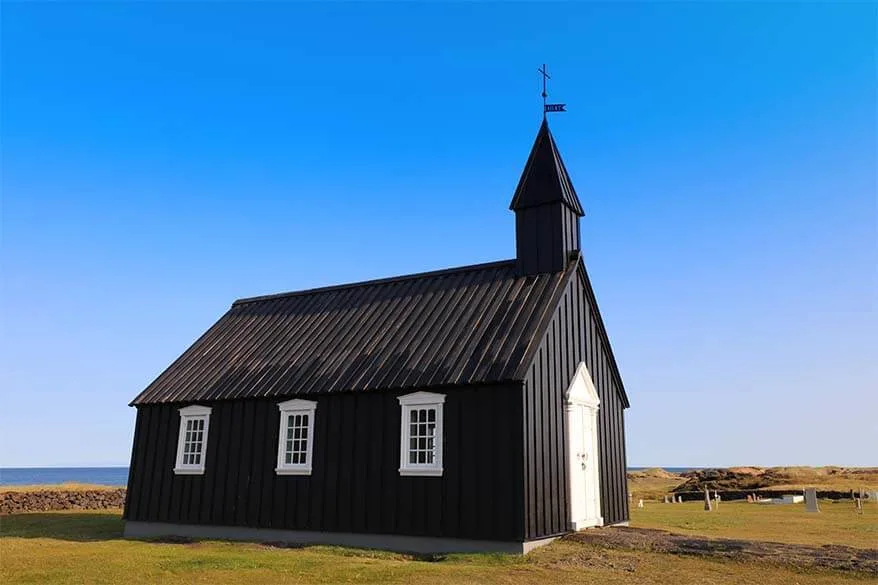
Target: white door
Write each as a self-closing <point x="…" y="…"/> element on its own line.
<point x="582" y="408"/>
<point x="578" y="465"/>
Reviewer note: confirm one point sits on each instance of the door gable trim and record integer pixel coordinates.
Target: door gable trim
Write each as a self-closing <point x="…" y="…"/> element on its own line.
<point x="582" y="390"/>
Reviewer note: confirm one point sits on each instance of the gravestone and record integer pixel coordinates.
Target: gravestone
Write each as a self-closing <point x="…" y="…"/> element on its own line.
<point x="811" y="500"/>
<point x="707" y="505"/>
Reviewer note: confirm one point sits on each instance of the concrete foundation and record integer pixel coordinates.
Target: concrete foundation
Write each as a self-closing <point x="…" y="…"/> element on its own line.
<point x="394" y="542"/>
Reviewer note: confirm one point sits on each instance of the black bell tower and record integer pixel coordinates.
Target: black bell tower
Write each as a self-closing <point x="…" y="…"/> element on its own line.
<point x="547" y="210"/>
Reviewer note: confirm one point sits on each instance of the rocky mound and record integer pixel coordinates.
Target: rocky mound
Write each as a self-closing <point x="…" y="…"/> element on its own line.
<point x="753" y="478"/>
<point x="721" y="479"/>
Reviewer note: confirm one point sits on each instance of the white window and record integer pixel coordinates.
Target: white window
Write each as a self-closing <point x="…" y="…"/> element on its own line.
<point x="420" y="450"/>
<point x="296" y="437"/>
<point x="192" y="441"/>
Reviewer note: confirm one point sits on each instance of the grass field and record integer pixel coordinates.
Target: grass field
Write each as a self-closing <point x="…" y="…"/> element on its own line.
<point x="837" y="522"/>
<point x="86" y="547"/>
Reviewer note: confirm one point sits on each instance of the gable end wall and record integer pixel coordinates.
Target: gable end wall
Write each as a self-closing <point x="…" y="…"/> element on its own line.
<point x="573" y="335"/>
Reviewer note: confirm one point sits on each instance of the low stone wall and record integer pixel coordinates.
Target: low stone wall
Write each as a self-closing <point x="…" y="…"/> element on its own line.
<point x="46" y="500"/>
<point x="727" y="495"/>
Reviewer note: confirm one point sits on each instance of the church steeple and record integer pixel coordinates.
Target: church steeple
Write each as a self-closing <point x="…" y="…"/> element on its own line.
<point x="547" y="209"/>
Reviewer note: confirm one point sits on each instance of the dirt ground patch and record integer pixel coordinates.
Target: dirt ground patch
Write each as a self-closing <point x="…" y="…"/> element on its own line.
<point x="837" y="557"/>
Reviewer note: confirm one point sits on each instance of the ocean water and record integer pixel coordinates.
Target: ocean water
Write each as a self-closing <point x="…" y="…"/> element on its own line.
<point x="55" y="475"/>
<point x="114" y="475"/>
<point x="668" y="469"/>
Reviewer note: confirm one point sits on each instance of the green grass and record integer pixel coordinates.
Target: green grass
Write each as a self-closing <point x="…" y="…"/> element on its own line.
<point x="86" y="547"/>
<point x="837" y="523"/>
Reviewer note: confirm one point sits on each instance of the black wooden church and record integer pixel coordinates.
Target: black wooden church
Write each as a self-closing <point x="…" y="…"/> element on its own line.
<point x="469" y="409"/>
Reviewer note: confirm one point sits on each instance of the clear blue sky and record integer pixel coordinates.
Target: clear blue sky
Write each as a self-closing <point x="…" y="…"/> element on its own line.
<point x="160" y="160"/>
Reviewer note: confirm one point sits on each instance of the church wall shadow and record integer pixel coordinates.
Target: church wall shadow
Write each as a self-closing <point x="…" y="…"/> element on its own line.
<point x="76" y="526"/>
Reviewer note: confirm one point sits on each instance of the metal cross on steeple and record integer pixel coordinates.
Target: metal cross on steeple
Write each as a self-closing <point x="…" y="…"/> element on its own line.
<point x="547" y="107"/>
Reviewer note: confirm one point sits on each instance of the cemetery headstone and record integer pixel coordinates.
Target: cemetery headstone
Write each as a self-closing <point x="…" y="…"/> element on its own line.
<point x="811" y="500"/>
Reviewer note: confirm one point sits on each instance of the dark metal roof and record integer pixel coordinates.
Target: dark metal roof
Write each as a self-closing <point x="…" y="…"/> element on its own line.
<point x="545" y="179"/>
<point x="460" y="326"/>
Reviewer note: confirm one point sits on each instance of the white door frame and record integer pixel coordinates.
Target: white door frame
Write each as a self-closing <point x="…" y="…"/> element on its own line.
<point x="581" y="409"/>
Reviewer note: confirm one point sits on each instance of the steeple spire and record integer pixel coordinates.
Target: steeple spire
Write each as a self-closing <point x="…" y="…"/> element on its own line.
<point x="547" y="209"/>
<point x="545" y="177"/>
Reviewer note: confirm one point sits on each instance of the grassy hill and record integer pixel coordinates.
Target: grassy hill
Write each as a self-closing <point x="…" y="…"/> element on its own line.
<point x="654" y="483"/>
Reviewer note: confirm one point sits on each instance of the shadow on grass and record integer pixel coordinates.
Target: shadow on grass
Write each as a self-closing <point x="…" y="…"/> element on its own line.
<point x="76" y="526"/>
<point x="93" y="526"/>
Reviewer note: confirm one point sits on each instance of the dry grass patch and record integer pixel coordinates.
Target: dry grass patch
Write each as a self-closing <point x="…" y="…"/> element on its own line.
<point x="652" y="484"/>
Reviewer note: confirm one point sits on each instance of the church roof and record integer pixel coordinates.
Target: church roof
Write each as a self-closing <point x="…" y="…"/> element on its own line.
<point x="474" y="324"/>
<point x="545" y="178"/>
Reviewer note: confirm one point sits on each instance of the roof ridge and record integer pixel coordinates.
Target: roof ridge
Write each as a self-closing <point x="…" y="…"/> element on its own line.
<point x="386" y="280"/>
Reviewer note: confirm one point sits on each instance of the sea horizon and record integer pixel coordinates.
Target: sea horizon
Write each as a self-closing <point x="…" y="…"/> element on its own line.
<point x="117" y="475"/>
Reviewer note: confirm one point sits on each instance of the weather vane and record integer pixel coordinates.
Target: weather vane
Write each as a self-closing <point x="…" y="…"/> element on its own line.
<point x="547" y="107"/>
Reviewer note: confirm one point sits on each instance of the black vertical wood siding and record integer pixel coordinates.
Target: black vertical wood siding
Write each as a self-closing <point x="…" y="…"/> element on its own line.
<point x="573" y="336"/>
<point x="355" y="484"/>
<point x="545" y="237"/>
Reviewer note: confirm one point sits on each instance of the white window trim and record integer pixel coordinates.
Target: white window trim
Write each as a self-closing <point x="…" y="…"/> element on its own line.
<point x="288" y="408"/>
<point x="407" y="403"/>
<point x="188" y="413"/>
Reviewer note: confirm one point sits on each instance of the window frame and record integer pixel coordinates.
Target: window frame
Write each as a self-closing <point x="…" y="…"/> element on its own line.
<point x="288" y="409"/>
<point x="192" y="413"/>
<point x="418" y="401"/>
